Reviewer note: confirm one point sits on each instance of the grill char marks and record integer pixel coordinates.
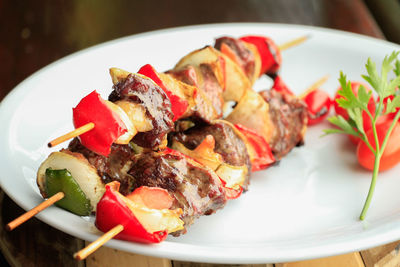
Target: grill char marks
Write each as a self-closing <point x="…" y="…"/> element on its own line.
<point x="245" y="58"/>
<point x="143" y="91"/>
<point x="227" y="143"/>
<point x="202" y="77"/>
<point x="115" y="167"/>
<point x="197" y="190"/>
<point x="289" y="115"/>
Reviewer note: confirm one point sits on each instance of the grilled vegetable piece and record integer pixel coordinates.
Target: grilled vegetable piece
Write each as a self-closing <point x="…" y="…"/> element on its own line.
<point x="74" y="200"/>
<point x="227" y="73"/>
<point x="253" y="112"/>
<point x="81" y="170"/>
<point x="259" y="151"/>
<point x="269" y="52"/>
<point x="108" y="123"/>
<point x="141" y="223"/>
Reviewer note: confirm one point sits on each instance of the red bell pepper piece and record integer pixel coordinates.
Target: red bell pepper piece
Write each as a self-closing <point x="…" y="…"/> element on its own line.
<point x="152" y="197"/>
<point x="112" y="210"/>
<point x="231" y="193"/>
<point x="280" y="86"/>
<point x="108" y="125"/>
<point x="269" y="53"/>
<point x="264" y="156"/>
<point x="178" y="105"/>
<point x="318" y="104"/>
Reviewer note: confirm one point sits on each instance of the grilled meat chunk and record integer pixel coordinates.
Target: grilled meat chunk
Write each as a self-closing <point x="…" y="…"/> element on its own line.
<point x="204" y="78"/>
<point x="289" y="116"/>
<point x="158" y="107"/>
<point x="244" y="57"/>
<point x="197" y="189"/>
<point x="228" y="143"/>
<point x="115" y="167"/>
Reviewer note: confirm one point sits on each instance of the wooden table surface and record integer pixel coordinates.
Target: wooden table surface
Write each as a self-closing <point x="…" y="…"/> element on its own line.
<point x="36" y="33"/>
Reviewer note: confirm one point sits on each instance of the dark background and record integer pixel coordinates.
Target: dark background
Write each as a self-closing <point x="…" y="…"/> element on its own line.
<point x="35" y="33"/>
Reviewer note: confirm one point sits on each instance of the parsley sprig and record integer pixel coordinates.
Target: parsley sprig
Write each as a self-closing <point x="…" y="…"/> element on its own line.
<point x="355" y="105"/>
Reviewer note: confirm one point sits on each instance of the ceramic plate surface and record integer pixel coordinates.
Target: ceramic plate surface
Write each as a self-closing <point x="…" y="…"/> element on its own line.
<point x="306" y="207"/>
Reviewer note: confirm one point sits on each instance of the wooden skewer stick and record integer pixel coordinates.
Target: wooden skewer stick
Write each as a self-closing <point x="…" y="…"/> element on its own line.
<point x="29" y="214"/>
<point x="314" y="86"/>
<point x="92" y="247"/>
<point x="293" y="42"/>
<point x="78" y="131"/>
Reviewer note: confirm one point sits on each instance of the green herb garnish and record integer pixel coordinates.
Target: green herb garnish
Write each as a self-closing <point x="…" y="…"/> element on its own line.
<point x="355" y="105"/>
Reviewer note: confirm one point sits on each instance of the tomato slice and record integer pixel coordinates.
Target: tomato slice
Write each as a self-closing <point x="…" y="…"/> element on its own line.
<point x="391" y="155"/>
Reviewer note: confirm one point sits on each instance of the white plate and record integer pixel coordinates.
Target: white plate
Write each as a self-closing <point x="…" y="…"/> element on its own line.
<point x="306" y="207"/>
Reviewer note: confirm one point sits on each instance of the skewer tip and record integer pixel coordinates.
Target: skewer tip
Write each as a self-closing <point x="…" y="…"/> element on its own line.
<point x="74" y="133"/>
<point x="314" y="86"/>
<point x="294" y="42"/>
<point x="8" y="227"/>
<point x="29" y="214"/>
<point x="92" y="247"/>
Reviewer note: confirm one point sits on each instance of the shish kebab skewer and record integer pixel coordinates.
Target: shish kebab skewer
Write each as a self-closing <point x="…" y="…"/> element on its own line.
<point x="117" y="229"/>
<point x="89" y="126"/>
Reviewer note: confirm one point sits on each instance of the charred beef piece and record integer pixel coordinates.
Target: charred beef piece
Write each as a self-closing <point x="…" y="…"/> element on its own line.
<point x="227" y="143"/>
<point x="289" y="115"/>
<point x="197" y="190"/>
<point x="158" y="107"/>
<point x="203" y="78"/>
<point x="187" y="75"/>
<point x="244" y="55"/>
<point x="201" y="106"/>
<point x="115" y="167"/>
